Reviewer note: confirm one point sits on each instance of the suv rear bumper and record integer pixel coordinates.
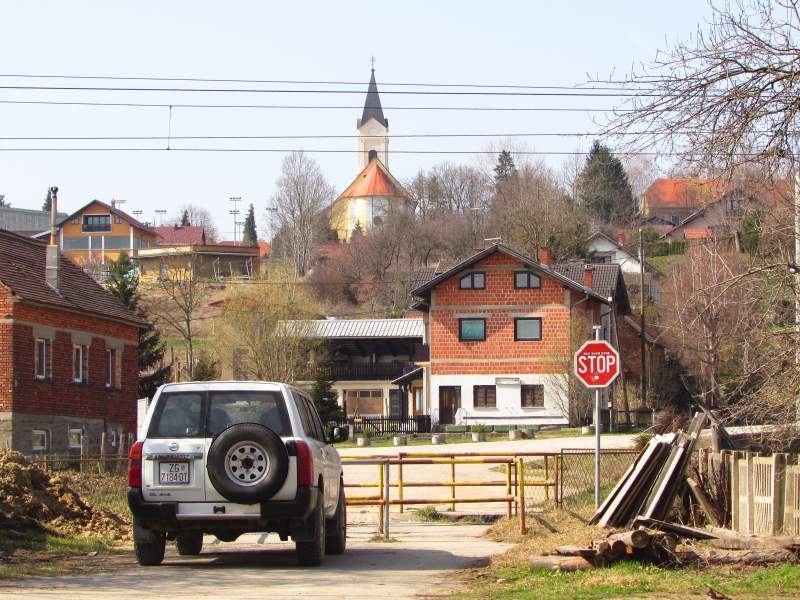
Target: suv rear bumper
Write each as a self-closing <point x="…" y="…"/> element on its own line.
<point x="163" y="515"/>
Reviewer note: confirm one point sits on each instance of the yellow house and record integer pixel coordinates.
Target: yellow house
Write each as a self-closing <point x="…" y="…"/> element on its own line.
<point x="95" y="234"/>
<point x="368" y="200"/>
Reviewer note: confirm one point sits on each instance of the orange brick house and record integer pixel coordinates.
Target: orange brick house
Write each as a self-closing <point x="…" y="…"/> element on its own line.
<point x="500" y="329"/>
<point x="68" y="353"/>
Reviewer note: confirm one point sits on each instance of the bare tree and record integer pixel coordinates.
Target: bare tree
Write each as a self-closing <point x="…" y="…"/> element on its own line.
<point x="182" y="294"/>
<point x="198" y="217"/>
<point x="532" y="210"/>
<point x="302" y="194"/>
<point x="259" y="336"/>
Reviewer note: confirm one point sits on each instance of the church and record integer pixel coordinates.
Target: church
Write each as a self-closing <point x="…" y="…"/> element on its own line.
<point x="374" y="193"/>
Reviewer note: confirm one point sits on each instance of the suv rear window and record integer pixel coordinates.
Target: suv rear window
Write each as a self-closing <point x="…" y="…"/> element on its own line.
<point x="264" y="408"/>
<point x="198" y="415"/>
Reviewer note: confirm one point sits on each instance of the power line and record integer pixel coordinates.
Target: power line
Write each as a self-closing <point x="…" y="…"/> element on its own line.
<point x="198" y="90"/>
<point x="339" y="151"/>
<point x="580" y="86"/>
<point x="314" y="106"/>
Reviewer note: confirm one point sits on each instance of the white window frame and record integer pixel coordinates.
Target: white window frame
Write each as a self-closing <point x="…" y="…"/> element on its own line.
<point x="40" y="365"/>
<point x="34" y="434"/>
<point x="70" y="431"/>
<point x="111" y="367"/>
<point x="77" y="365"/>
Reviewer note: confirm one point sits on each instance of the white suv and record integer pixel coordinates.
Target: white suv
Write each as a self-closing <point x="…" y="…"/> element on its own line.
<point x="226" y="458"/>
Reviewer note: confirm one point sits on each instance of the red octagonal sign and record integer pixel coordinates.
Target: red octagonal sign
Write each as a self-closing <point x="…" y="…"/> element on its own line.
<point x="597" y="364"/>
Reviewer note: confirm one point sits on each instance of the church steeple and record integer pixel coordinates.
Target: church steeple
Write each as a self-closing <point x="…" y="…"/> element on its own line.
<point x="372" y="107"/>
<point x="372" y="127"/>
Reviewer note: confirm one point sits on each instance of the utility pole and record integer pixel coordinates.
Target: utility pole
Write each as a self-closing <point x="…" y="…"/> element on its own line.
<point x="796" y="169"/>
<point x="235" y="212"/>
<point x="642" y="340"/>
<point x="161" y="214"/>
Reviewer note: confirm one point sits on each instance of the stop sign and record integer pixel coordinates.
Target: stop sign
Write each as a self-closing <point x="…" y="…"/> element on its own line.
<point x="597" y="364"/>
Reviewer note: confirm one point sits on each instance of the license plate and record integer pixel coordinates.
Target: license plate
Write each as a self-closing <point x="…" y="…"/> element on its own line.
<point x="173" y="472"/>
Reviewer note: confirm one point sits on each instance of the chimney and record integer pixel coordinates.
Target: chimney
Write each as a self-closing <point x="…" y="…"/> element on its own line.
<point x="544" y="256"/>
<point x="588" y="276"/>
<point x="621" y="238"/>
<point x="53" y="254"/>
<point x="113" y="203"/>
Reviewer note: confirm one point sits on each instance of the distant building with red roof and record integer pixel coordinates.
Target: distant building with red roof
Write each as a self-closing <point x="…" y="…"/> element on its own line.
<point x="177" y="234"/>
<point x="676" y="199"/>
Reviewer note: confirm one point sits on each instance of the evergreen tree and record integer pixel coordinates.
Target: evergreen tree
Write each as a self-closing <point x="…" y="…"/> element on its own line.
<point x="206" y="368"/>
<point x="604" y="189"/>
<point x="325" y="400"/>
<point x="48" y="202"/>
<point x="505" y="167"/>
<point x="250" y="235"/>
<point x="185" y="222"/>
<point x="123" y="282"/>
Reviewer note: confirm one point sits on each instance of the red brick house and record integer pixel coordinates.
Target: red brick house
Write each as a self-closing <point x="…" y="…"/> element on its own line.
<point x="68" y="353"/>
<point x="502" y="328"/>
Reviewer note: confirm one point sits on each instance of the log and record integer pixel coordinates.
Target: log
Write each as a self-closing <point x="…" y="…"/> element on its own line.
<point x="635" y="538"/>
<point x="618" y="548"/>
<point x="575" y="551"/>
<point x="748" y="557"/>
<point x="745" y="542"/>
<point x="680" y="530"/>
<point x="560" y="563"/>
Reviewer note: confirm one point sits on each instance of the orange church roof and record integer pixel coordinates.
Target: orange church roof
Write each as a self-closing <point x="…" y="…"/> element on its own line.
<point x="374" y="180"/>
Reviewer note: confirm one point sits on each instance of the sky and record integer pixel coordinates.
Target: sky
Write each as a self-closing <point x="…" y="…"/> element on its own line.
<point x="530" y="43"/>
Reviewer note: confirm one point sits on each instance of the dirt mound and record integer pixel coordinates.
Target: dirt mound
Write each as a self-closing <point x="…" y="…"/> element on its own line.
<point x="31" y="497"/>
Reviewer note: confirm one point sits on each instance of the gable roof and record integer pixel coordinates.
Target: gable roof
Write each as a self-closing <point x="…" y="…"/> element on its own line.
<point x="375" y="180"/>
<point x="190" y="234"/>
<point x="114" y="211"/>
<point x="682" y="193"/>
<point x="372" y="106"/>
<point x="22" y="270"/>
<point x="360" y="328"/>
<point x="627" y="249"/>
<point x="529" y="262"/>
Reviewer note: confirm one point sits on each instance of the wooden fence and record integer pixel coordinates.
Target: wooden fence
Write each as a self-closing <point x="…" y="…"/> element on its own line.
<point x="763" y="491"/>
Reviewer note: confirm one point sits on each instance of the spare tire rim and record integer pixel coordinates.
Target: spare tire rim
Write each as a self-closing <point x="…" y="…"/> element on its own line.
<point x="247" y="463"/>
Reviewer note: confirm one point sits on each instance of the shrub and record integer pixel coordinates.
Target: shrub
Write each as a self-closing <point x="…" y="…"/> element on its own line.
<point x="455" y="428"/>
<point x="479" y="429"/>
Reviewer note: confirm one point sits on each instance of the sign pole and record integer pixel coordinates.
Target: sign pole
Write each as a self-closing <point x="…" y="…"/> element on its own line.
<point x="597" y="428"/>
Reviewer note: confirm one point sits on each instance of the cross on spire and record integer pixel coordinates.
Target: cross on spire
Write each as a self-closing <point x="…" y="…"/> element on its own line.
<point x="372" y="62"/>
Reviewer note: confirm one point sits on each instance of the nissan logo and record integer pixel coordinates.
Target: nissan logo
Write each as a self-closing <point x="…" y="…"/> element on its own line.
<point x="173" y="446"/>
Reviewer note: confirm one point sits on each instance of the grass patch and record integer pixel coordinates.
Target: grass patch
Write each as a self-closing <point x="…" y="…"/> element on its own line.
<point x="377" y="538"/>
<point x="508" y="576"/>
<point x="626" y="579"/>
<point x="43" y="552"/>
<point x="663" y="263"/>
<point x="103" y="491"/>
<point x="430" y="514"/>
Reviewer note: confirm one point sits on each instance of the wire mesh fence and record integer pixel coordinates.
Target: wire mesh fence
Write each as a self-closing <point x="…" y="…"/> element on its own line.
<point x="575" y="474"/>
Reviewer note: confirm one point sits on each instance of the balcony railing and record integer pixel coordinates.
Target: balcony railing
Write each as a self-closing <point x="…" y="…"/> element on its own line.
<point x="354" y="372"/>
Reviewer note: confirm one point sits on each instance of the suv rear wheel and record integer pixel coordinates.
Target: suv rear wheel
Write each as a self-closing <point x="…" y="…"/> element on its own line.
<point x="336" y="543"/>
<point x="148" y="545"/>
<point x="189" y="543"/>
<point x="310" y="553"/>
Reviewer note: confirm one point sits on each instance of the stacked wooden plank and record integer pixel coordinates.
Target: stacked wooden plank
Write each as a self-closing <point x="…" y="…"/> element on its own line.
<point x="649" y="486"/>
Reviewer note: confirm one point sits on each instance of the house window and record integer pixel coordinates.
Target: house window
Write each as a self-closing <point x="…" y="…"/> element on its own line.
<point x="74" y="220"/>
<point x="117" y="219"/>
<point x="42" y="358"/>
<point x="472" y="281"/>
<point x="472" y="330"/>
<point x="527" y="329"/>
<point x="484" y="396"/>
<point x="111" y="368"/>
<point x="418" y="401"/>
<point x="80" y="366"/>
<point x="39" y="439"/>
<point x="532" y="396"/>
<point x="74" y="435"/>
<point x="526" y="279"/>
<point x="364" y="402"/>
<point x="96" y="222"/>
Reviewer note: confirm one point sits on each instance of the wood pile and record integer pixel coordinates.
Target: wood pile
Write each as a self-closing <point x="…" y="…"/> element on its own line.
<point x="649" y="486"/>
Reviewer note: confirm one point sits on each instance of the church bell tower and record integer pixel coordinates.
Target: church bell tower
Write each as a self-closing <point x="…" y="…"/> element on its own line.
<point x="372" y="128"/>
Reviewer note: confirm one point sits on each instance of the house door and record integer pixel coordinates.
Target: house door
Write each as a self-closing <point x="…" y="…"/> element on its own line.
<point x="395" y="404"/>
<point x="449" y="403"/>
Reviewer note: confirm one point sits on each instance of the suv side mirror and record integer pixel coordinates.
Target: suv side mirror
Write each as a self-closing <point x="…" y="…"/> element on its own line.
<point x="340" y="434"/>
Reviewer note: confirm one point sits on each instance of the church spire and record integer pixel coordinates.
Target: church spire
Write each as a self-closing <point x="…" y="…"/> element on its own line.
<point x="372" y="107"/>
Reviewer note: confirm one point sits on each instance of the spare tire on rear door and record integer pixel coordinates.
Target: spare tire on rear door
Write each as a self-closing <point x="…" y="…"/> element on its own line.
<point x="247" y="463"/>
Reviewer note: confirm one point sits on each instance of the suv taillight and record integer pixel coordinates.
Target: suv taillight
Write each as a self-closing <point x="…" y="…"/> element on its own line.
<point x="305" y="463"/>
<point x="135" y="466"/>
